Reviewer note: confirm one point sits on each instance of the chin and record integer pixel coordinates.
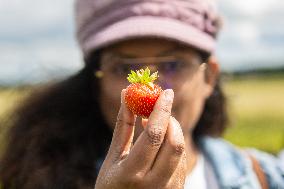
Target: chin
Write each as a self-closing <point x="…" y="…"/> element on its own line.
<point x="188" y="125"/>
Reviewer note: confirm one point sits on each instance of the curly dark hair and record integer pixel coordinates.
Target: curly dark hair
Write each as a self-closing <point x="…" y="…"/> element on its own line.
<point x="59" y="133"/>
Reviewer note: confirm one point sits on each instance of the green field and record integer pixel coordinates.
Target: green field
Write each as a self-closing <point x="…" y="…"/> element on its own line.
<point x="256" y="112"/>
<point x="255" y="104"/>
<point x="9" y="98"/>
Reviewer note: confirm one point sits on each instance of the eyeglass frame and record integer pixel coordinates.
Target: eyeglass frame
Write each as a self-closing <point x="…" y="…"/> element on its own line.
<point x="137" y="60"/>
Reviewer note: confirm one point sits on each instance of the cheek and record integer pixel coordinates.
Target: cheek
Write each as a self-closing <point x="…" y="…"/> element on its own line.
<point x="189" y="103"/>
<point x="110" y="100"/>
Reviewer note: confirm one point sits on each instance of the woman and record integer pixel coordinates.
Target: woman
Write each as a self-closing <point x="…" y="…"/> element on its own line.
<point x="62" y="136"/>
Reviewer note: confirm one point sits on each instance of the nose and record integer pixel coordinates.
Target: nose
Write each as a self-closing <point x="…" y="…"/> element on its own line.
<point x="152" y="68"/>
<point x="164" y="82"/>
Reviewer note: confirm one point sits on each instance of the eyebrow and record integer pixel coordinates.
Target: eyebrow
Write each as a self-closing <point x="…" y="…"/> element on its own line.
<point x="175" y="48"/>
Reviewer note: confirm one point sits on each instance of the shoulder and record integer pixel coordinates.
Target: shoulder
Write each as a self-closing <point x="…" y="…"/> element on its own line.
<point x="272" y="167"/>
<point x="225" y="156"/>
<point x="218" y="149"/>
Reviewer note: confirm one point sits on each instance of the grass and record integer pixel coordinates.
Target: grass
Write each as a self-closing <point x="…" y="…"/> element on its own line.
<point x="256" y="108"/>
<point x="257" y="112"/>
<point x="9" y="98"/>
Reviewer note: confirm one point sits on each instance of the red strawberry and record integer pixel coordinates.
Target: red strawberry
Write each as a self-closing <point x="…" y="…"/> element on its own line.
<point x="141" y="95"/>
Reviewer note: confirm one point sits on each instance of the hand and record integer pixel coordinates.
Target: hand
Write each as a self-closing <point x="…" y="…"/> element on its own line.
<point x="157" y="158"/>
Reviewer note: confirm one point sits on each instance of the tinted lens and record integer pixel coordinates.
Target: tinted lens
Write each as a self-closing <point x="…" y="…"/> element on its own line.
<point x="123" y="69"/>
<point x="171" y="67"/>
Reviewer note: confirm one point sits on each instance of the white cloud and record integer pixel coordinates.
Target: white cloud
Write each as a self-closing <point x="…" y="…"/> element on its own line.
<point x="253" y="7"/>
<point x="37" y="39"/>
<point x="39" y="61"/>
<point x="252" y="36"/>
<point x="31" y="16"/>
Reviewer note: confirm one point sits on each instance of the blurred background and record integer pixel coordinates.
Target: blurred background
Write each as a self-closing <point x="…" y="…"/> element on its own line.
<point x="37" y="44"/>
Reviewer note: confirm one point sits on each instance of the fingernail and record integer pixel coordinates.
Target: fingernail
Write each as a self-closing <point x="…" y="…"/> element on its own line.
<point x="169" y="94"/>
<point x="203" y="66"/>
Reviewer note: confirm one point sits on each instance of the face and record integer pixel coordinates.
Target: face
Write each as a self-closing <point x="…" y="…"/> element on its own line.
<point x="179" y="67"/>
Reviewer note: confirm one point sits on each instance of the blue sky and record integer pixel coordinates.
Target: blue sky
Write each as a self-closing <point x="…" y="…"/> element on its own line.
<point x="37" y="39"/>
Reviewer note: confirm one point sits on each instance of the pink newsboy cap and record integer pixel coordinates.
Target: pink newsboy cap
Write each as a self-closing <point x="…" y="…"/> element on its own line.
<point x="101" y="23"/>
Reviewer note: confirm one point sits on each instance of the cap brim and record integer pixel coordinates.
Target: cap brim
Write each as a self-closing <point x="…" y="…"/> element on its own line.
<point x="147" y="26"/>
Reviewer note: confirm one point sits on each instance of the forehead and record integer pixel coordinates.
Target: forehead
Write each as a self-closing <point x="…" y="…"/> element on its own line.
<point x="146" y="47"/>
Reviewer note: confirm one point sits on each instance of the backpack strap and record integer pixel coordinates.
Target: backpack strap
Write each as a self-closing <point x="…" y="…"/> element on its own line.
<point x="259" y="172"/>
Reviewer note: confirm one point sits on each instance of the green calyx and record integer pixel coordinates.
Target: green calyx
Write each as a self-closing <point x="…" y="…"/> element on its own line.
<point x="143" y="77"/>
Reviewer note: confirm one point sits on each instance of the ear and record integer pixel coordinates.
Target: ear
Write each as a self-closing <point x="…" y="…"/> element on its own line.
<point x="211" y="74"/>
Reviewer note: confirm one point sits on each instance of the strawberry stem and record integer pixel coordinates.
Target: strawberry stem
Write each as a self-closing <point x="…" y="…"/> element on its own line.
<point x="143" y="77"/>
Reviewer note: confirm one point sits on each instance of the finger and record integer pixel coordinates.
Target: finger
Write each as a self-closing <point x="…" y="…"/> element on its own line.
<point x="144" y="122"/>
<point x="146" y="147"/>
<point x="178" y="178"/>
<point x="170" y="153"/>
<point x="123" y="132"/>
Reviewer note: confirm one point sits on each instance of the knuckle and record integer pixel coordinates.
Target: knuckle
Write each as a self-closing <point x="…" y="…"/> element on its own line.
<point x="138" y="178"/>
<point x="115" y="155"/>
<point x="166" y="109"/>
<point x="168" y="101"/>
<point x="129" y="123"/>
<point x="155" y="135"/>
<point x="177" y="141"/>
<point x="134" y="181"/>
<point x="179" y="149"/>
<point x="119" y="120"/>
